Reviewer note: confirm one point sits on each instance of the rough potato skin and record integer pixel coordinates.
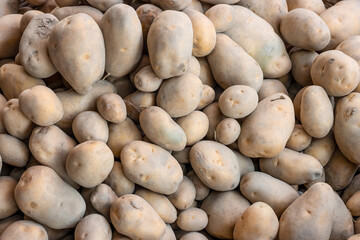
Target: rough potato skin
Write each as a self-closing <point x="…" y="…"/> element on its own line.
<point x="24" y="230"/>
<point x="93" y="226"/>
<point x="11" y="35"/>
<point x="147" y="13"/>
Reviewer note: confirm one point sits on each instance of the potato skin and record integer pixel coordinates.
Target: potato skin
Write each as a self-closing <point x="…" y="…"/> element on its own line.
<point x="10" y="39"/>
<point x="192" y="219"/>
<point x="343" y="224"/>
<point x="146" y="80"/>
<point x="104" y="5"/>
<point x="102" y="198"/>
<point x="45" y="197"/>
<point x="172" y="5"/>
<point x="301" y="65"/>
<point x="8" y="204"/>
<point x="9" y="7"/>
<point x="270" y="87"/>
<point x="352" y="204"/>
<point x="24" y="230"/>
<point x="350" y="47"/>
<point x="195" y="126"/>
<point x="89" y="125"/>
<point x="93" y="226"/>
<point x="299" y="139"/>
<point x="118" y="182"/>
<point x="222" y="16"/>
<point x="13" y="151"/>
<point x="64" y="12"/>
<point x="316" y="6"/>
<point x="227" y="131"/>
<point x="184" y="196"/>
<point x="146" y="14"/>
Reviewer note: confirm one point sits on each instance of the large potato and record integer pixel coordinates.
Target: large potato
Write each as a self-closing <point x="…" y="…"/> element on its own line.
<point x="151" y="166"/>
<point x="64" y="12"/>
<point x="9" y="7"/>
<point x="170" y="41"/>
<point x="89" y="125"/>
<point x="24" y="230"/>
<point x="8" y="204"/>
<point x="265" y="132"/>
<point x="93" y="226"/>
<point x="11" y="35"/>
<point x="195" y="126"/>
<point x="316" y="6"/>
<point x="118" y="182"/>
<point x="78" y="38"/>
<point x="301" y="65"/>
<point x="13" y="151"/>
<point x="231" y="65"/>
<point x="44" y="196"/>
<point x="121" y="28"/>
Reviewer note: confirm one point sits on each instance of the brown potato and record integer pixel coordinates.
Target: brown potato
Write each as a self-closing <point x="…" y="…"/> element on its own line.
<point x="8" y="204"/>
<point x="227" y="131"/>
<point x="207" y="97"/>
<point x="25" y="229"/>
<point x="146" y="14"/>
<point x="102" y="198"/>
<point x="172" y="5"/>
<point x="299" y="139"/>
<point x="64" y="12"/>
<point x="353" y="187"/>
<point x="195" y="126"/>
<point x="343" y="226"/>
<point x="8" y="221"/>
<point x="26" y="18"/>
<point x="138" y="101"/>
<point x="103" y="5"/>
<point x="315" y="5"/>
<point x="93" y="226"/>
<point x="322" y="148"/>
<point x="352" y="204"/>
<point x="270" y="87"/>
<point x="215" y="117"/>
<point x="13" y="151"/>
<point x="192" y="219"/>
<point x="146" y="80"/>
<point x="9" y="7"/>
<point x="118" y="182"/>
<point x="222" y="16"/>
<point x="65" y="3"/>
<point x="350" y="47"/>
<point x="10" y="39"/>
<point x="206" y="75"/>
<point x="301" y="66"/>
<point x="89" y="125"/>
<point x="184" y="196"/>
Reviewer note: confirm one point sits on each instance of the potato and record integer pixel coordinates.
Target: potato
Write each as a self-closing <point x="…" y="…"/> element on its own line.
<point x="195" y="126"/>
<point x="134" y="217"/>
<point x="238" y="101"/>
<point x="161" y="129"/>
<point x="103" y="5"/>
<point x="223" y="209"/>
<point x="206" y="75"/>
<point x="316" y="6"/>
<point x="170" y="42"/>
<point x="147" y="13"/>
<point x="160" y="203"/>
<point x="86" y="194"/>
<point x="171" y="5"/>
<point x="192" y="219"/>
<point x="87" y="51"/>
<point x="33" y="48"/>
<point x="292" y="167"/>
<point x="43" y="196"/>
<point x="138" y="101"/>
<point x="312" y="211"/>
<point x="259" y="40"/>
<point x="184" y="195"/>
<point x="118" y="236"/>
<point x="353" y="187"/>
<point x="123" y="86"/>
<point x="354" y="237"/>
<point x="53" y="233"/>
<point x="220" y="1"/>
<point x="169" y="233"/>
<point x="322" y="148"/>
<point x="15" y="122"/>
<point x="261" y="187"/>
<point x="9" y="7"/>
<point x="102" y="198"/>
<point x="193" y="236"/>
<point x="350" y="47"/>
<point x="265" y="136"/>
<point x="352" y="204"/>
<point x="93" y="226"/>
<point x="89" y="163"/>
<point x="215" y="117"/>
<point x="10" y="39"/>
<point x="257" y="222"/>
<point x="343" y="226"/>
<point x="270" y="87"/>
<point x="89" y="125"/>
<point x="356" y="226"/>
<point x="65" y="3"/>
<point x="24" y="229"/>
<point x="299" y="139"/>
<point x="207" y="97"/>
<point x="272" y="11"/>
<point x="123" y="39"/>
<point x="301" y="65"/>
<point x="14" y="80"/>
<point x="8" y="221"/>
<point x="146" y="80"/>
<point x="64" y="12"/>
<point x="118" y="182"/>
<point x="41" y="105"/>
<point x="227" y="131"/>
<point x="182" y="156"/>
<point x="144" y="61"/>
<point x="8" y="205"/>
<point x="222" y="16"/>
<point x="202" y="191"/>
<point x="151" y="166"/>
<point x="13" y="151"/>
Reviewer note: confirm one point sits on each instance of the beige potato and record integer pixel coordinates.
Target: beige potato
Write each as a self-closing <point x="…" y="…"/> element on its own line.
<point x="8" y="221"/>
<point x="227" y="131"/>
<point x="8" y="204"/>
<point x="192" y="219"/>
<point x="14" y="80"/>
<point x="231" y="65"/>
<point x="151" y="166"/>
<point x="207" y="97"/>
<point x="147" y="13"/>
<point x="43" y="196"/>
<point x="259" y="131"/>
<point x="257" y="222"/>
<point x="292" y="167"/>
<point x="33" y="48"/>
<point x="215" y="117"/>
<point x="270" y="87"/>
<point x="10" y="39"/>
<point x="322" y="148"/>
<point x="64" y="12"/>
<point x="194" y="66"/>
<point x="103" y="5"/>
<point x="122" y="32"/>
<point x="350" y="47"/>
<point x="89" y="163"/>
<point x="160" y="203"/>
<point x="181" y="95"/>
<point x="138" y="101"/>
<point x="161" y="129"/>
<point x="336" y="72"/>
<point x="123" y="86"/>
<point x="206" y="75"/>
<point x="202" y="191"/>
<point x="312" y="211"/>
<point x="86" y="194"/>
<point x="238" y="101"/>
<point x="182" y="156"/>
<point x="87" y="51"/>
<point x="93" y="226"/>
<point x="169" y="233"/>
<point x="222" y="16"/>
<point x="316" y="6"/>
<point x="27" y="17"/>
<point x="144" y="61"/>
<point x="223" y="210"/>
<point x="352" y="204"/>
<point x="171" y="5"/>
<point x="184" y="196"/>
<point x="353" y="187"/>
<point x="9" y="7"/>
<point x="118" y="182"/>
<point x="41" y="105"/>
<point x="354" y="237"/>
<point x="65" y="3"/>
<point x="193" y="236"/>
<point x="89" y="125"/>
<point x="299" y="139"/>
<point x="146" y="80"/>
<point x="15" y="122"/>
<point x="343" y="224"/>
<point x="261" y="187"/>
<point x="13" y="151"/>
<point x="196" y="5"/>
<point x="170" y="42"/>
<point x="102" y="198"/>
<point x="195" y="126"/>
<point x="302" y="61"/>
<point x="132" y="216"/>
<point x="24" y="230"/>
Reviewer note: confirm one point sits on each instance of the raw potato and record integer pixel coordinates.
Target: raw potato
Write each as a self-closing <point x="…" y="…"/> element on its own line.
<point x="353" y="187"/>
<point x="24" y="229"/>
<point x="132" y="216"/>
<point x="123" y="37"/>
<point x="316" y="6"/>
<point x="170" y="41"/>
<point x="43" y="196"/>
<point x="33" y="48"/>
<point x="227" y="131"/>
<point x="195" y="126"/>
<point x="13" y="151"/>
<point x="89" y="163"/>
<point x="207" y="97"/>
<point x="10" y="39"/>
<point x="270" y="87"/>
<point x="202" y="191"/>
<point x="146" y="80"/>
<point x="8" y="221"/>
<point x="64" y="12"/>
<point x="102" y="198"/>
<point x="343" y="224"/>
<point x="265" y="132"/>
<point x="256" y="223"/>
<point x="65" y="3"/>
<point x="26" y="18"/>
<point x="86" y="51"/>
<point x="215" y="117"/>
<point x="192" y="219"/>
<point x="41" y="105"/>
<point x="147" y="13"/>
<point x="184" y="196"/>
<point x="9" y="7"/>
<point x="8" y="205"/>
<point x="89" y="125"/>
<point x="193" y="236"/>
<point x="351" y="47"/>
<point x="138" y="101"/>
<point x="171" y="4"/>
<point x="352" y="204"/>
<point x="161" y="129"/>
<point x="322" y="148"/>
<point x="103" y="5"/>
<point x="222" y="16"/>
<point x="151" y="166"/>
<point x="118" y="182"/>
<point x="299" y="139"/>
<point x="301" y="65"/>
<point x="231" y="65"/>
<point x="93" y="226"/>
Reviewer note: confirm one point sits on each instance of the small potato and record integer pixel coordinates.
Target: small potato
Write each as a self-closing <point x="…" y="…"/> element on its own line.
<point x="192" y="219"/>
<point x="15" y="122"/>
<point x="24" y="230"/>
<point x="138" y="101"/>
<point x="336" y="72"/>
<point x="193" y="236"/>
<point x="13" y="151"/>
<point x="316" y="6"/>
<point x="147" y="13"/>
<point x="89" y="163"/>
<point x="102" y="198"/>
<point x="299" y="139"/>
<point x="322" y="148"/>
<point x="181" y="95"/>
<point x="160" y="203"/>
<point x="223" y="210"/>
<point x="151" y="166"/>
<point x="351" y="47"/>
<point x="161" y="129"/>
<point x="64" y="12"/>
<point x="207" y="97"/>
<point x="195" y="126"/>
<point x="103" y="5"/>
<point x="202" y="191"/>
<point x="302" y="61"/>
<point x="222" y="16"/>
<point x="8" y="204"/>
<point x="352" y="204"/>
<point x="227" y="131"/>
<point x="132" y="216"/>
<point x="184" y="195"/>
<point x="146" y="80"/>
<point x="257" y="222"/>
<point x="215" y="117"/>
<point x="43" y="196"/>
<point x="89" y="125"/>
<point x="312" y="32"/>
<point x="118" y="182"/>
<point x="9" y="7"/>
<point x="41" y="105"/>
<point x="238" y="101"/>
<point x="93" y="226"/>
<point x="343" y="224"/>
<point x="10" y="39"/>
<point x="172" y="5"/>
<point x="206" y="75"/>
<point x="270" y="87"/>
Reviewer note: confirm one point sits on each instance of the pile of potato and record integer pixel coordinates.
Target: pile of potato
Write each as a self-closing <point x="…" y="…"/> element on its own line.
<point x="179" y="119"/>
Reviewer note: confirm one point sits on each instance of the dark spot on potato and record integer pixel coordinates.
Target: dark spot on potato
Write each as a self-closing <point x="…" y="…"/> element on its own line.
<point x="279" y="98"/>
<point x="181" y="67"/>
<point x="135" y="205"/>
<point x="349" y="113"/>
<point x="33" y="205"/>
<point x="331" y="60"/>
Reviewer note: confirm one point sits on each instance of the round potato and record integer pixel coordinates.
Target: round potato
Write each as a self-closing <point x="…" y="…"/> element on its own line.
<point x="227" y="131"/>
<point x="111" y="107"/>
<point x="352" y="205"/>
<point x="146" y="80"/>
<point x="25" y="229"/>
<point x="118" y="182"/>
<point x="102" y="198"/>
<point x="13" y="151"/>
<point x="184" y="196"/>
<point x="195" y="126"/>
<point x="192" y="219"/>
<point x="302" y="61"/>
<point x="93" y="226"/>
<point x="8" y="204"/>
<point x="10" y="39"/>
<point x="89" y="125"/>
<point x="299" y="139"/>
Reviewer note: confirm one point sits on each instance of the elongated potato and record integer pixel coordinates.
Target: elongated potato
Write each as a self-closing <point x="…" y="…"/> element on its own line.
<point x="184" y="196"/>
<point x="8" y="204"/>
<point x="89" y="125"/>
<point x="64" y="12"/>
<point x="13" y="151"/>
<point x="322" y="148"/>
<point x="299" y="139"/>
<point x="87" y="51"/>
<point x="206" y="75"/>
<point x="316" y="6"/>
<point x="25" y="229"/>
<point x="10" y="39"/>
<point x="93" y="226"/>
<point x="301" y="65"/>
<point x="195" y="126"/>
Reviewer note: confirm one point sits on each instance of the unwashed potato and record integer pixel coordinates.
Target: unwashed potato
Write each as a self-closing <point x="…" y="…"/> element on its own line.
<point x="352" y="204"/>
<point x="353" y="187"/>
<point x="102" y="198"/>
<point x="215" y="117"/>
<point x="193" y="236"/>
<point x="301" y="64"/>
<point x="8" y="204"/>
<point x="89" y="125"/>
<point x="343" y="224"/>
<point x="10" y="39"/>
<point x="299" y="139"/>
<point x="9" y="7"/>
<point x="147" y="13"/>
<point x="24" y="229"/>
<point x="202" y="191"/>
<point x="171" y="4"/>
<point x="195" y="126"/>
<point x="222" y="16"/>
<point x="103" y="5"/>
<point x="184" y="196"/>
<point x="316" y="6"/>
<point x="8" y="221"/>
<point x="65" y="3"/>
<point x="138" y="101"/>
<point x="215" y="2"/>
<point x="64" y="12"/>
<point x="207" y="97"/>
<point x="93" y="226"/>
<point x="13" y="151"/>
